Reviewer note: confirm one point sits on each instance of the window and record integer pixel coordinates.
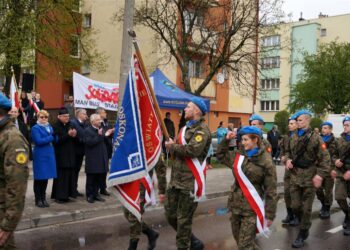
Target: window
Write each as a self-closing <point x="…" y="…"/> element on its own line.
<point x="270" y="62"/>
<point x="271" y="41"/>
<point x="195" y="69"/>
<point x="188" y="17"/>
<point x="76" y="5"/>
<point x="270" y="83"/>
<point x="87" y="21"/>
<point x="269" y="105"/>
<point x="323" y="32"/>
<point x="74" y="46"/>
<point x="85" y="68"/>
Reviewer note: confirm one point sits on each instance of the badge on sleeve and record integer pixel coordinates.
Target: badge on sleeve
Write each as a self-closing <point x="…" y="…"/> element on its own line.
<point x="198" y="138"/>
<point x="21" y="158"/>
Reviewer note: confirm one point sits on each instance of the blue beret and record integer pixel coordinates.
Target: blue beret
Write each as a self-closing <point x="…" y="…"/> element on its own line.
<point x="255" y="117"/>
<point x="327" y="124"/>
<point x="292" y="117"/>
<point x="250" y="130"/>
<point x="5" y="103"/>
<point x="302" y="112"/>
<point x="346" y="118"/>
<point x="200" y="104"/>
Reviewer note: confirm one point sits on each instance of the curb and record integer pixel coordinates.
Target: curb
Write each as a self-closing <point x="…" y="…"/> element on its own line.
<point x="59" y="218"/>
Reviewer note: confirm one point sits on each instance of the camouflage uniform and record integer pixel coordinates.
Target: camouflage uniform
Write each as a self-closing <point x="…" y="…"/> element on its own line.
<point x="325" y="192"/>
<point x="179" y="203"/>
<point x="14" y="173"/>
<point x="262" y="173"/>
<point x="315" y="160"/>
<point x="160" y="169"/>
<point x="342" y="187"/>
<point x="286" y="179"/>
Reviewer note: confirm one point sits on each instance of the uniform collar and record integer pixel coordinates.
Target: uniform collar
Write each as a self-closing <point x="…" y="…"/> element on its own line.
<point x="191" y="123"/>
<point x="4" y="121"/>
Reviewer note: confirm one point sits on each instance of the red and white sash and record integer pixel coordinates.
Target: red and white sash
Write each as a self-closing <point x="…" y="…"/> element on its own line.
<point x="150" y="195"/>
<point x="34" y="105"/>
<point x="252" y="196"/>
<point x="198" y="170"/>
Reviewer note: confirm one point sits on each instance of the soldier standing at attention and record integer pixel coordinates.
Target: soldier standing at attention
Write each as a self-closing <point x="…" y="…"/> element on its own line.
<point x="13" y="175"/>
<point x="254" y="173"/>
<point x="193" y="145"/>
<point x="309" y="162"/>
<point x="342" y="173"/>
<point x="290" y="219"/>
<point x="325" y="192"/>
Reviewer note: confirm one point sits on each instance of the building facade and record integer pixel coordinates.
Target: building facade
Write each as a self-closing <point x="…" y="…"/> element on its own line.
<point x="282" y="53"/>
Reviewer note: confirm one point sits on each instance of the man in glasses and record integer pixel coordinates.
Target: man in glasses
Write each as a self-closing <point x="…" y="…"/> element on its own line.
<point x="309" y="161"/>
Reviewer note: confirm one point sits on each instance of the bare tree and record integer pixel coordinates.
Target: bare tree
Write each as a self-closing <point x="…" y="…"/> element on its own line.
<point x="220" y="34"/>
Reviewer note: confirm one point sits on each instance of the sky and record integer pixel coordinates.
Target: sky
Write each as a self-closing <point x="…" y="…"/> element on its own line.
<point x="312" y="8"/>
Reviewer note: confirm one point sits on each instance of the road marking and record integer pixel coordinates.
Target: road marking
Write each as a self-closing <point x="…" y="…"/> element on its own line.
<point x="335" y="230"/>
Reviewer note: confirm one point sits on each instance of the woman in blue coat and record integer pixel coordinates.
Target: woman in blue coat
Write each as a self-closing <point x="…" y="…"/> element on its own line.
<point x="44" y="163"/>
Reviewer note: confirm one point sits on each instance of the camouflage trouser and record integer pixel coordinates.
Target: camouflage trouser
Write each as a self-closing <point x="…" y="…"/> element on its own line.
<point x="161" y="176"/>
<point x="286" y="181"/>
<point x="244" y="231"/>
<point x="325" y="192"/>
<point x="302" y="199"/>
<point x="179" y="209"/>
<point x="342" y="192"/>
<point x="136" y="227"/>
<point x="10" y="244"/>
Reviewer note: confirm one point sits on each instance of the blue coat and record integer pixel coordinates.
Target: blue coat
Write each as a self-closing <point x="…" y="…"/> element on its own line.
<point x="44" y="163"/>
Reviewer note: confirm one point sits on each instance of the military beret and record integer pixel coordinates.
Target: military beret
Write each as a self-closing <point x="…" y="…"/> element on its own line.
<point x="200" y="104"/>
<point x="5" y="103"/>
<point x="302" y="112"/>
<point x="250" y="130"/>
<point x="63" y="111"/>
<point x="292" y="117"/>
<point x="346" y="118"/>
<point x="327" y="124"/>
<point x="256" y="117"/>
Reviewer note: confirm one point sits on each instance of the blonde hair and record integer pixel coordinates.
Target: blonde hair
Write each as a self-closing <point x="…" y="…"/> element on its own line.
<point x="43" y="112"/>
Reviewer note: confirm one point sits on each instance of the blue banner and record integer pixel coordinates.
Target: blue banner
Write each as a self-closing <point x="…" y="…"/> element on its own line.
<point x="128" y="161"/>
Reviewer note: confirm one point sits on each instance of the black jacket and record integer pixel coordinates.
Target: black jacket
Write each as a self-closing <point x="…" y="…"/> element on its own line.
<point x="108" y="139"/>
<point x="96" y="158"/>
<point x="169" y="124"/>
<point x="79" y="139"/>
<point x="64" y="146"/>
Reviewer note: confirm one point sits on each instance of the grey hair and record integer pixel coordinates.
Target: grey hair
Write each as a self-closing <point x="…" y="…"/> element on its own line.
<point x="99" y="109"/>
<point x="94" y="117"/>
<point x="78" y="111"/>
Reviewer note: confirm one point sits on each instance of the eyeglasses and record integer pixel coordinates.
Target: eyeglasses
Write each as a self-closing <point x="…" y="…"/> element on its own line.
<point x="43" y="117"/>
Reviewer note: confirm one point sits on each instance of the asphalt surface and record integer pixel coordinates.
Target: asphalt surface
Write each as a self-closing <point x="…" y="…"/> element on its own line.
<point x="211" y="224"/>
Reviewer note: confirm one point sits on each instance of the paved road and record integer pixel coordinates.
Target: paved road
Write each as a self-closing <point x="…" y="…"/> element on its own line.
<point x="211" y="224"/>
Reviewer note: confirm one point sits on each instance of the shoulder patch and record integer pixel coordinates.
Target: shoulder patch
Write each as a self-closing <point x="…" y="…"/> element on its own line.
<point x="20" y="150"/>
<point x="21" y="158"/>
<point x="198" y="138"/>
<point x="200" y="132"/>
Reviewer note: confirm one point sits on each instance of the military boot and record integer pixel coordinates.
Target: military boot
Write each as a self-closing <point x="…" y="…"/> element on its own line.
<point x="133" y="244"/>
<point x="347" y="228"/>
<point x="325" y="214"/>
<point x="302" y="236"/>
<point x="152" y="237"/>
<point x="345" y="220"/>
<point x="289" y="217"/>
<point x="196" y="244"/>
<point x="294" y="221"/>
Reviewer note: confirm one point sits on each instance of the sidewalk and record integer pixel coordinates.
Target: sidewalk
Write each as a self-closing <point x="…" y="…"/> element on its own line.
<point x="218" y="184"/>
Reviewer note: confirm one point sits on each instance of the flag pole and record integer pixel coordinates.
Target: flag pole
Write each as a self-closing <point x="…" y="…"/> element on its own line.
<point x="143" y="68"/>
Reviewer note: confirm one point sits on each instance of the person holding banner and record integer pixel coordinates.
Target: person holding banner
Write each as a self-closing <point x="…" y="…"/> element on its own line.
<point x="256" y="181"/>
<point x="187" y="183"/>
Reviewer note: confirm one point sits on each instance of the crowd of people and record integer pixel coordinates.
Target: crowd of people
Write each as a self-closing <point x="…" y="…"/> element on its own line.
<point x="314" y="164"/>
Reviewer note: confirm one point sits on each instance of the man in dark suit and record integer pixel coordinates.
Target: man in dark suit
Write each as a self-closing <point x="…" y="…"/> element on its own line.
<point x="96" y="158"/>
<point x="79" y="124"/>
<point x="108" y="141"/>
<point x="32" y="115"/>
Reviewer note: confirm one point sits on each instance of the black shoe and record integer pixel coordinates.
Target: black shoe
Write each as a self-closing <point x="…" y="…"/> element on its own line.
<point x="289" y="217"/>
<point x="294" y="222"/>
<point x="133" y="244"/>
<point x="325" y="214"/>
<point x="196" y="244"/>
<point x="61" y="201"/>
<point x="344" y="222"/>
<point x="152" y="238"/>
<point x="105" y="192"/>
<point x="45" y="203"/>
<point x="299" y="242"/>
<point x="99" y="198"/>
<point x="39" y="203"/>
<point x="347" y="228"/>
<point x="90" y="199"/>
